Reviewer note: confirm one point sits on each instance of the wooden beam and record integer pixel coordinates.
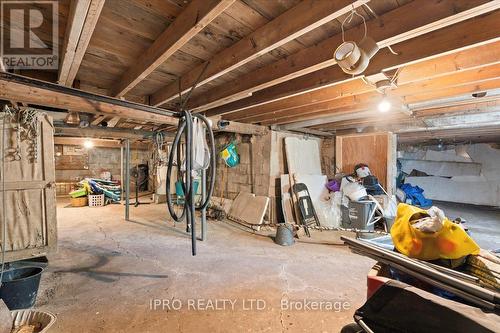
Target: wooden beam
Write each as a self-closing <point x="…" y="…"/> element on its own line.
<point x="473" y="58"/>
<point x="59" y="140"/>
<point x="97" y="120"/>
<point x="76" y="20"/>
<point x="482" y="86"/>
<point x="38" y="92"/>
<point x="78" y="37"/>
<point x="485" y="133"/>
<point x="101" y="132"/>
<point x="374" y="118"/>
<point x="197" y="15"/>
<point x="113" y="121"/>
<point x="440" y="87"/>
<point x="397" y="25"/>
<point x="241" y="128"/>
<point x="471" y="33"/>
<point x="286" y="27"/>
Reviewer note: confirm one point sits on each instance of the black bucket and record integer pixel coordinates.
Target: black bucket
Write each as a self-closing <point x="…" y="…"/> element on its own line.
<point x="20" y="287"/>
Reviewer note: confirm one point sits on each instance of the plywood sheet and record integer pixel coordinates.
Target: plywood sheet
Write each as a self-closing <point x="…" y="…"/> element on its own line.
<point x="302" y="156"/>
<point x="249" y="208"/>
<point x="377" y="150"/>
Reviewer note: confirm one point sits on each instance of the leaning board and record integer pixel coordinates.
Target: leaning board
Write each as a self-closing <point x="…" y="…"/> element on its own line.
<point x="378" y="150"/>
<point x="30" y="195"/>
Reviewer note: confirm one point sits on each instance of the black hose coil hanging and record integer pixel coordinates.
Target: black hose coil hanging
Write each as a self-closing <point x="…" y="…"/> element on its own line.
<point x="185" y="128"/>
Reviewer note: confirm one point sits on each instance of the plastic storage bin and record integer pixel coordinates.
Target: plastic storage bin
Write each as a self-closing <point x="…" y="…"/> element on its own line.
<point x="96" y="200"/>
<point x="357" y="215"/>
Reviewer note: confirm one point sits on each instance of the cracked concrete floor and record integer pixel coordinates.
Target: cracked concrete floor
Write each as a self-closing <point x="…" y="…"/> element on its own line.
<point x="109" y="275"/>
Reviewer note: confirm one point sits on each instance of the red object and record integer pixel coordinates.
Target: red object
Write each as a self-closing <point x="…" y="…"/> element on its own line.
<point x="374" y="282"/>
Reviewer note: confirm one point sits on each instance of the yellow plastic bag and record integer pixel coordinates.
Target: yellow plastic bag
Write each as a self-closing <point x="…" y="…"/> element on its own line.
<point x="451" y="242"/>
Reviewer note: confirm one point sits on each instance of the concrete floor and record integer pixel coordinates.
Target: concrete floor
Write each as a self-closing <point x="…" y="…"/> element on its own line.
<point x="108" y="272"/>
<point x="483" y="222"/>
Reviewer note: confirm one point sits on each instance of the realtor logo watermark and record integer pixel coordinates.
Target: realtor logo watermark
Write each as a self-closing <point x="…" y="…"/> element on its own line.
<point x="29" y="34"/>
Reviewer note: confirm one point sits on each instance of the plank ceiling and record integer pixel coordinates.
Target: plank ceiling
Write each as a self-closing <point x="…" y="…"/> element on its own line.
<point x="126" y="29"/>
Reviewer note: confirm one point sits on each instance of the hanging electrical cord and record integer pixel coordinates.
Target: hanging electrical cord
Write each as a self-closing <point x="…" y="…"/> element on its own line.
<point x="186" y="167"/>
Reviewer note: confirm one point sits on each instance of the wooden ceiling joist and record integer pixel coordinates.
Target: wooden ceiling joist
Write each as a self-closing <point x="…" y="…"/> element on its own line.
<point x="440" y="87"/>
<point x="286" y="27"/>
<point x="397" y="25"/>
<point x="473" y="58"/>
<point x="374" y="118"/>
<point x="475" y="87"/>
<point x="103" y="143"/>
<point x="113" y="121"/>
<point x="101" y="132"/>
<point x="82" y="21"/>
<point x="197" y="15"/>
<point x="363" y="112"/>
<point x="488" y="133"/>
<point x="470" y="33"/>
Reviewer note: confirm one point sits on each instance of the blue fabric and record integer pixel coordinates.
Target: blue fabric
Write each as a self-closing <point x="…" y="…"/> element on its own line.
<point x="415" y="195"/>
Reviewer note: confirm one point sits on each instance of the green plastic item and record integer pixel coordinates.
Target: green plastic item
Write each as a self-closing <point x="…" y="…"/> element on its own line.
<point x="78" y="193"/>
<point x="230" y="155"/>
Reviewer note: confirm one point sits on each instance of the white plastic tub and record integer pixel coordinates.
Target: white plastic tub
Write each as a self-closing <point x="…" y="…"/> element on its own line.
<point x="42" y="319"/>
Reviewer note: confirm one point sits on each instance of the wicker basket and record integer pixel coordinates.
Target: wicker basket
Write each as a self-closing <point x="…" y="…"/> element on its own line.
<point x="78" y="202"/>
<point x="96" y="200"/>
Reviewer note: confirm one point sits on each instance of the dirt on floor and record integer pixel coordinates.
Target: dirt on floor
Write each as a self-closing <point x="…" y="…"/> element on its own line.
<point x="110" y="275"/>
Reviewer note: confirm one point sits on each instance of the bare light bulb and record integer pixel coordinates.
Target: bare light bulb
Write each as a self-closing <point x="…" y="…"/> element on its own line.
<point x="384" y="105"/>
<point x="88" y="144"/>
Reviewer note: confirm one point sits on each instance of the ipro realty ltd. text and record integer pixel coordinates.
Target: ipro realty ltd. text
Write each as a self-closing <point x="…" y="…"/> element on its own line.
<point x="246" y="304"/>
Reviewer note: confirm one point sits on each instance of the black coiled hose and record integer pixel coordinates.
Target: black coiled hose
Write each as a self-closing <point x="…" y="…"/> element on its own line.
<point x="185" y="128"/>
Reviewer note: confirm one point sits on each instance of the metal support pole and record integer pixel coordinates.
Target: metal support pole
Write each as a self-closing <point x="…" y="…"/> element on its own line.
<point x="121" y="171"/>
<point x="204" y="210"/>
<point x="127" y="179"/>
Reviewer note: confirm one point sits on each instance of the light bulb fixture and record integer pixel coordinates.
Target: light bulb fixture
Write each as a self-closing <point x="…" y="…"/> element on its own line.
<point x="87" y="144"/>
<point x="384" y="105"/>
<point x="72" y="118"/>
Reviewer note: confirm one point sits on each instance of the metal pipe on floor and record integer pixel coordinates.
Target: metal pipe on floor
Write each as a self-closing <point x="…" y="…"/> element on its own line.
<point x="127" y="180"/>
<point x="424" y="270"/>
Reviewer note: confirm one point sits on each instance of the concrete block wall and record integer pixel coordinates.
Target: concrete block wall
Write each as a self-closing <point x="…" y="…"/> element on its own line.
<point x="230" y="181"/>
<point x="94" y="162"/>
<point x="262" y="162"/>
